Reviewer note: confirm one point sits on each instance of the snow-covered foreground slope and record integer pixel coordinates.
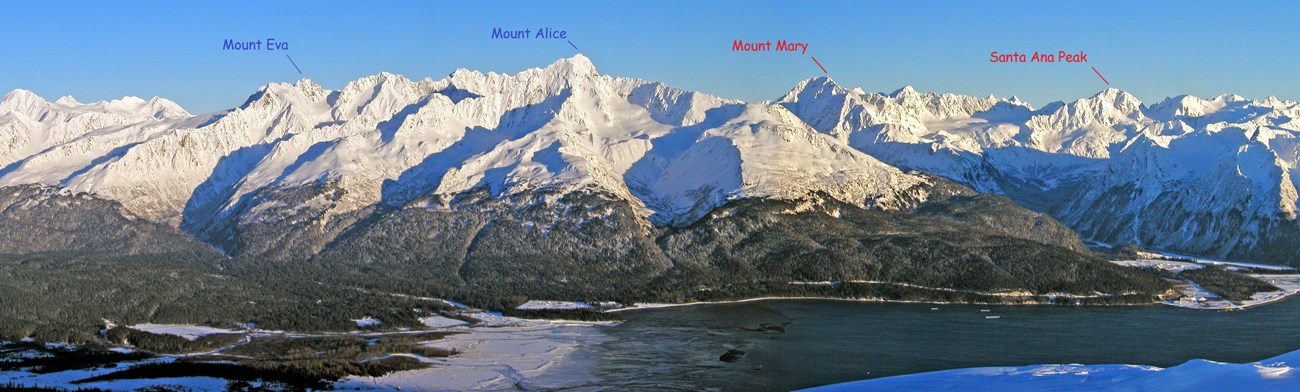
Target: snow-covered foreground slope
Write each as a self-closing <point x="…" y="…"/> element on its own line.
<point x="1273" y="374"/>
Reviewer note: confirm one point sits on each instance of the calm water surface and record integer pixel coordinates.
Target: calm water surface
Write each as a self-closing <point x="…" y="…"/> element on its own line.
<point x="826" y="342"/>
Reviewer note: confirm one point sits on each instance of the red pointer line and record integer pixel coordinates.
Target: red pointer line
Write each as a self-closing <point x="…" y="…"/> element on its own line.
<point x="819" y="65"/>
<point x="1103" y="78"/>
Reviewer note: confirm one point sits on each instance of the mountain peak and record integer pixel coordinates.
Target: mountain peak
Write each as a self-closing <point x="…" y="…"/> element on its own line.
<point x="813" y="88"/>
<point x="820" y="82"/>
<point x="382" y="77"/>
<point x="1180" y="100"/>
<point x="907" y="93"/>
<point x="1113" y="93"/>
<point x="163" y="108"/>
<point x="580" y="59"/>
<point x="305" y="83"/>
<point x="1116" y="98"/>
<point x="576" y="65"/>
<point x="128" y="100"/>
<point x="1230" y="98"/>
<point x="23" y="101"/>
<point x="21" y="95"/>
<point x="264" y="96"/>
<point x="908" y="90"/>
<point x="67" y="100"/>
<point x="1173" y="108"/>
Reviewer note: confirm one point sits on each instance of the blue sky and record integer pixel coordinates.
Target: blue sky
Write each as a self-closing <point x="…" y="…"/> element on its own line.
<point x="1155" y="49"/>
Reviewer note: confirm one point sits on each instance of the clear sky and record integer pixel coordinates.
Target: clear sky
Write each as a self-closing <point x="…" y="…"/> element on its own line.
<point x="97" y="50"/>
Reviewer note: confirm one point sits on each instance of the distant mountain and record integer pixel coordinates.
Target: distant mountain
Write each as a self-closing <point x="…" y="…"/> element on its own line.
<point x="1203" y="176"/>
<point x="565" y="182"/>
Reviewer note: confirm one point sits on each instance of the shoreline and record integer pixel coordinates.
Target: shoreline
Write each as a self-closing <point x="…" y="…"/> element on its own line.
<point x="548" y="354"/>
<point x="1202" y="299"/>
<point x="1288" y="289"/>
<point x="653" y="306"/>
<point x="1286" y="292"/>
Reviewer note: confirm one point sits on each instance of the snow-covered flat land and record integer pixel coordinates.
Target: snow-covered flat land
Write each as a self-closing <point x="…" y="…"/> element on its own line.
<point x="367" y="322"/>
<point x="1165" y="265"/>
<point x="1274" y="374"/>
<point x="1196" y="297"/>
<point x="441" y="322"/>
<point x="65" y="379"/>
<point x="1290" y="285"/>
<point x="195" y="384"/>
<point x="1210" y="261"/>
<point x="189" y="332"/>
<point x="553" y="305"/>
<point x="497" y="353"/>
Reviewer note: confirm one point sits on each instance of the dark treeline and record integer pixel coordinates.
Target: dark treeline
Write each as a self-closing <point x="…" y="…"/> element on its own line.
<point x="1230" y="285"/>
<point x="57" y="359"/>
<point x="491" y="253"/>
<point x="562" y="314"/>
<point x="68" y="298"/>
<point x="295" y="375"/>
<point x="279" y="362"/>
<point x="499" y="263"/>
<point x="23" y="388"/>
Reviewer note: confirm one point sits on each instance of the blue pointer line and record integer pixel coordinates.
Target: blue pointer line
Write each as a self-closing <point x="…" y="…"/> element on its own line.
<point x="295" y="65"/>
<point x="575" y="47"/>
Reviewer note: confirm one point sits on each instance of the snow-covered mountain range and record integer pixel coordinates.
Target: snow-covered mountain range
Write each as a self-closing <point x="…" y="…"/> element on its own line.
<point x="385" y="139"/>
<point x="1209" y="176"/>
